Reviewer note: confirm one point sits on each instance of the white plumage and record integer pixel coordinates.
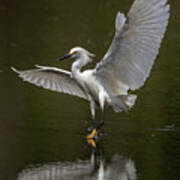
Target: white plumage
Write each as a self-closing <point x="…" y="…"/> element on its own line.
<point x="125" y="66"/>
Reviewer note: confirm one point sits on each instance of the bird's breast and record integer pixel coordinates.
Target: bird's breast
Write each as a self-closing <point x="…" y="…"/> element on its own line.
<point x="90" y="84"/>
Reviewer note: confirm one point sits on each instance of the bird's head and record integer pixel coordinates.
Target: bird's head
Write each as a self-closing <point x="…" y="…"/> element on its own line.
<point x="80" y="54"/>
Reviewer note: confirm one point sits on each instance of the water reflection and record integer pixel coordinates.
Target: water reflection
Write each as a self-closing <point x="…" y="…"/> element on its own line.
<point x="97" y="167"/>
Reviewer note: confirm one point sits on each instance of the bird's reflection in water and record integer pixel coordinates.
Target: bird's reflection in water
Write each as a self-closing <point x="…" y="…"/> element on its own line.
<point x="96" y="168"/>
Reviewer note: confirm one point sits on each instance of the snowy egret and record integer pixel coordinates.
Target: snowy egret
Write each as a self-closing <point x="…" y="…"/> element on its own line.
<point x="125" y="66"/>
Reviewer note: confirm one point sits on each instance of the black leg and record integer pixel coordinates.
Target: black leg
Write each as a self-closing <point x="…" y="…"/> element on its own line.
<point x="101" y="123"/>
<point x="93" y="125"/>
<point x="93" y="109"/>
<point x="94" y="131"/>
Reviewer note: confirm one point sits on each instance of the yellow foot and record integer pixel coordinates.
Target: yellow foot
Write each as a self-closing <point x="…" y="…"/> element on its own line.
<point x="92" y="135"/>
<point x="92" y="142"/>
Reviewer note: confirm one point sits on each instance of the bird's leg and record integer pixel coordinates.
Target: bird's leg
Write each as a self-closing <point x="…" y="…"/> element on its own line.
<point x="101" y="123"/>
<point x="92" y="126"/>
<point x="93" y="134"/>
<point x="102" y="102"/>
<point x="93" y="109"/>
<point x="92" y="129"/>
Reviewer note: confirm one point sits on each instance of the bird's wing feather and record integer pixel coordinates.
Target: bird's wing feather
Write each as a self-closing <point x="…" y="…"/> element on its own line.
<point x="52" y="78"/>
<point x="136" y="43"/>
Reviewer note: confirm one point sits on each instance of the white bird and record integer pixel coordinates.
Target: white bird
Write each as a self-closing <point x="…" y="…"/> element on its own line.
<point x="125" y="66"/>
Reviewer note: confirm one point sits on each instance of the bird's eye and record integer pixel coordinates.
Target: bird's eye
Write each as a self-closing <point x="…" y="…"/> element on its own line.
<point x="74" y="52"/>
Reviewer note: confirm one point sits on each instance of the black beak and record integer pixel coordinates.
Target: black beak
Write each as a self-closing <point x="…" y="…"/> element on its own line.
<point x="65" y="57"/>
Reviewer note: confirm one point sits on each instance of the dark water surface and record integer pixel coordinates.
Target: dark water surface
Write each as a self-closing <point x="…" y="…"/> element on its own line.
<point x="42" y="133"/>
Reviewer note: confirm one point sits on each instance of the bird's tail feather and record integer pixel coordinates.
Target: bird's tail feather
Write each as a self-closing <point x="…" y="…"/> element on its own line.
<point x="123" y="102"/>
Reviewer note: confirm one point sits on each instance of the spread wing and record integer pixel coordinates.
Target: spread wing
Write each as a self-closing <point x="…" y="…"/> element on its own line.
<point x="52" y="78"/>
<point x="136" y="43"/>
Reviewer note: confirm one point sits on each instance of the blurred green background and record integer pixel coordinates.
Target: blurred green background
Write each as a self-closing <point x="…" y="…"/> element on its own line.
<point x="38" y="126"/>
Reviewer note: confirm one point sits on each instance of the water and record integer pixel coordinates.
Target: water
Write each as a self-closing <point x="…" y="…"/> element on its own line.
<point x="42" y="133"/>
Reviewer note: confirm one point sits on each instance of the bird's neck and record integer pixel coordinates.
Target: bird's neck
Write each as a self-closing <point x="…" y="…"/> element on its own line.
<point x="77" y="66"/>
